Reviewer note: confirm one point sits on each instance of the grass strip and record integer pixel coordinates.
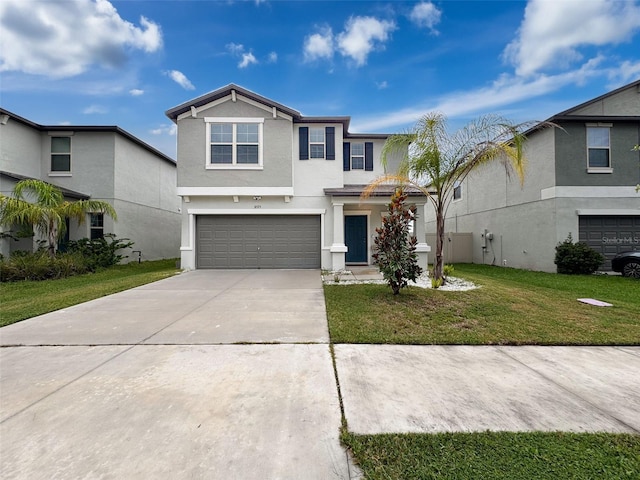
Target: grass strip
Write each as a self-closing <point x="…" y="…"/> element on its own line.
<point x="497" y="455"/>
<point x="511" y="307"/>
<point x="26" y="299"/>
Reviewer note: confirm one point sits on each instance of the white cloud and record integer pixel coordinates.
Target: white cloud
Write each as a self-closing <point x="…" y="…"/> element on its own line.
<point x="247" y="59"/>
<point x="552" y="31"/>
<point x="64" y="39"/>
<point x="170" y="129"/>
<point x="136" y="92"/>
<point x="235" y="48"/>
<point x="426" y="15"/>
<point x="319" y="45"/>
<point x="272" y="57"/>
<point x="382" y="85"/>
<point x="95" y="109"/>
<point x="362" y="35"/>
<point x="181" y="79"/>
<point x="506" y="90"/>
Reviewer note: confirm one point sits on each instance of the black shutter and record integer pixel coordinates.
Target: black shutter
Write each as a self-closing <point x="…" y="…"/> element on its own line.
<point x="304" y="143"/>
<point x="346" y="156"/>
<point x="368" y="156"/>
<point x="330" y="138"/>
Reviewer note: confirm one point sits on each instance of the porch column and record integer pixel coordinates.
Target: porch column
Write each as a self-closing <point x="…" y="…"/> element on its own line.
<point x="422" y="249"/>
<point x="338" y="248"/>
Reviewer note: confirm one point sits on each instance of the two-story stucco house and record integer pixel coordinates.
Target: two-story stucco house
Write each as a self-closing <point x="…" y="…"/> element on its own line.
<point x="263" y="186"/>
<point x="580" y="180"/>
<point x="99" y="162"/>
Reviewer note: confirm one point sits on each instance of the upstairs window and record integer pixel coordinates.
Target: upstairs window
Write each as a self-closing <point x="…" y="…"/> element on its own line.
<point x="60" y="154"/>
<point x="236" y="144"/>
<point x="598" y="148"/>
<point x="457" y="190"/>
<point x="316" y="142"/>
<point x="96" y="225"/>
<point x="357" y="156"/>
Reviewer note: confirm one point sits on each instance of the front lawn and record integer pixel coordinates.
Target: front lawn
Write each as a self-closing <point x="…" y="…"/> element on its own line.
<point x="26" y="299"/>
<point x="497" y="455"/>
<point x="511" y="307"/>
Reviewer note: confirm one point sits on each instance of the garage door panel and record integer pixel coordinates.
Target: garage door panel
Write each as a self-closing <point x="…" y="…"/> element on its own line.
<point x="258" y="241"/>
<point x="610" y="235"/>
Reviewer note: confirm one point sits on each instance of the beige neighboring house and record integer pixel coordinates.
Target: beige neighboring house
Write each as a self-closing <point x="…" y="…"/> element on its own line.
<point x="264" y="186"/>
<point x="580" y="180"/>
<point x="102" y="163"/>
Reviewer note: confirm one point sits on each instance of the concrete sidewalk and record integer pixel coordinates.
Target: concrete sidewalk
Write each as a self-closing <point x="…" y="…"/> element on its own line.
<point x="395" y="388"/>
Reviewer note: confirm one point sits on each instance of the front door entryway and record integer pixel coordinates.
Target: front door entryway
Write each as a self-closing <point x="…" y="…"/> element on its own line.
<point x="355" y="238"/>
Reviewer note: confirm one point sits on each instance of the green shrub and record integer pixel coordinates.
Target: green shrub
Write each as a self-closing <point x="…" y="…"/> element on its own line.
<point x="394" y="249"/>
<point x="100" y="252"/>
<point x="577" y="258"/>
<point x="40" y="265"/>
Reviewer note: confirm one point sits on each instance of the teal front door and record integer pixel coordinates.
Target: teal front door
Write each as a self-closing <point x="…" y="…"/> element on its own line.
<point x="355" y="238"/>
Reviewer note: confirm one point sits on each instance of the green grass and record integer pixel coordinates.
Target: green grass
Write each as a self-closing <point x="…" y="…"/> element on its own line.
<point x="26" y="299"/>
<point x="512" y="307"/>
<point x="497" y="455"/>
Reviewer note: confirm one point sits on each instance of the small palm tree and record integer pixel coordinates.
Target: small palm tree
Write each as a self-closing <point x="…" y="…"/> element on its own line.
<point x="435" y="161"/>
<point x="48" y="211"/>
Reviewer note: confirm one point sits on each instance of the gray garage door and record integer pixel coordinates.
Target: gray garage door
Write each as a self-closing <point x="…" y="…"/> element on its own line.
<point x="610" y="234"/>
<point x="258" y="241"/>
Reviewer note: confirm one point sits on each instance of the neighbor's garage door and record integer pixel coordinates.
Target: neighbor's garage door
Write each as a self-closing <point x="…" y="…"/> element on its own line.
<point x="258" y="241"/>
<point x="610" y="234"/>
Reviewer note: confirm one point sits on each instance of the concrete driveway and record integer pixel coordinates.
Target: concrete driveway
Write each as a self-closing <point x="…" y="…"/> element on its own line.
<point x="176" y="379"/>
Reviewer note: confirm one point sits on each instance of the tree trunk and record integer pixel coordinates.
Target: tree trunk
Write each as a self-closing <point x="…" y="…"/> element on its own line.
<point x="53" y="238"/>
<point x="438" y="264"/>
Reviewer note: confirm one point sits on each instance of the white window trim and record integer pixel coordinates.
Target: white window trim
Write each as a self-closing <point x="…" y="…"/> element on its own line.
<point x="324" y="143"/>
<point x="234" y="120"/>
<point x="61" y="173"/>
<point x="608" y="169"/>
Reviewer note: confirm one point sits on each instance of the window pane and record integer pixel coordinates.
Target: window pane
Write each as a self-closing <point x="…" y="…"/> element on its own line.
<point x="316" y="151"/>
<point x="221" y="154"/>
<point x="97" y="220"/>
<point x="97" y="233"/>
<point x="357" y="149"/>
<point x="61" y="163"/>
<point x="247" y="154"/>
<point x="357" y="163"/>
<point x="597" y="136"/>
<point x="60" y="144"/>
<point x="222" y="133"/>
<point x="316" y="135"/>
<point x="247" y="133"/>
<point x="599" y="157"/>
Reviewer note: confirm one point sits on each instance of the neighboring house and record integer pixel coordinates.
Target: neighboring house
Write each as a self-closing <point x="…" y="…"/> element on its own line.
<point x="102" y="163"/>
<point x="580" y="180"/>
<point x="263" y="186"/>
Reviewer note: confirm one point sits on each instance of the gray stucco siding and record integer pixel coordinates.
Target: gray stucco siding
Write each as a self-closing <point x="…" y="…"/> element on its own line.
<point x="571" y="150"/>
<point x="20" y="149"/>
<point x="277" y="151"/>
<point x="92" y="163"/>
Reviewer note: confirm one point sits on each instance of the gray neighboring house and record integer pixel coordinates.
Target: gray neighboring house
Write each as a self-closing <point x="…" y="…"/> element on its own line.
<point x="580" y="180"/>
<point x="102" y="163"/>
<point x="263" y="186"/>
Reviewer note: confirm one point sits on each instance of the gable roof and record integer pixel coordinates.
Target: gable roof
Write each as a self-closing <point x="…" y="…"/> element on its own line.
<point x="232" y="88"/>
<point x="597" y="99"/>
<point x="174" y="112"/>
<point x="88" y="128"/>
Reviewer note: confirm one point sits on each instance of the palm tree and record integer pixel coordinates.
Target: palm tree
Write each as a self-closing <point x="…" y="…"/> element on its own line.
<point x="48" y="212"/>
<point x="435" y="161"/>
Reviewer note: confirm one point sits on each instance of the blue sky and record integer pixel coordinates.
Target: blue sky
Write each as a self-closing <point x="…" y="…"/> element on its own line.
<point x="99" y="62"/>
